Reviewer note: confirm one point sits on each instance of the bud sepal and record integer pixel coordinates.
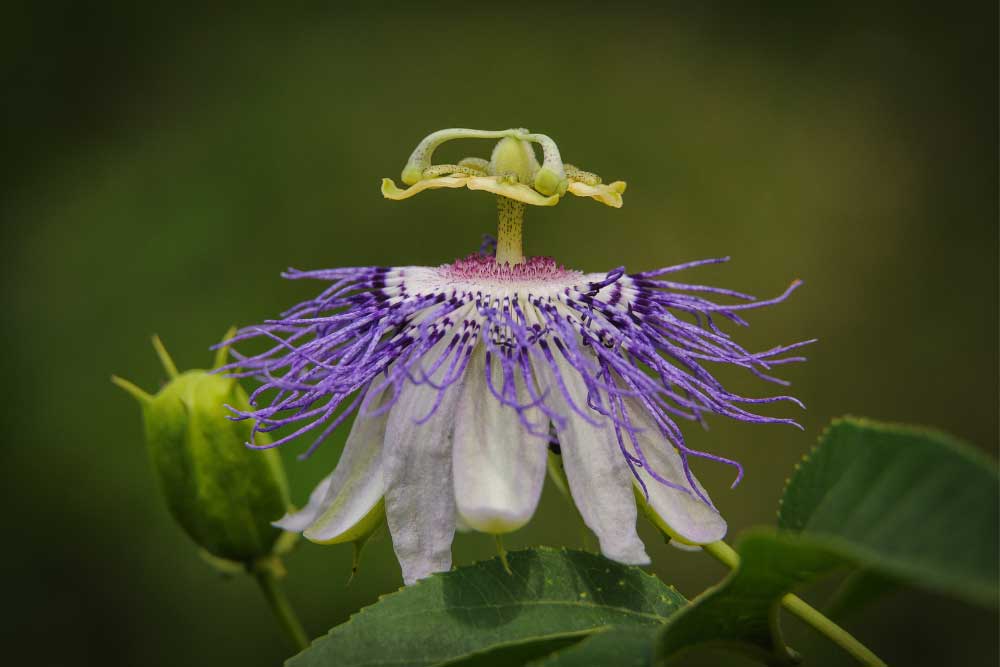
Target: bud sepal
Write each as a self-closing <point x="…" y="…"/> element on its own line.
<point x="222" y="494"/>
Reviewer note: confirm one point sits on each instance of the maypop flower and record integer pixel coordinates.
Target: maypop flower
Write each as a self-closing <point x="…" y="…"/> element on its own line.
<point x="458" y="372"/>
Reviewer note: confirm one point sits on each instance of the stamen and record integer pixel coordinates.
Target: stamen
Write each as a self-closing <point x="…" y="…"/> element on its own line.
<point x="574" y="173"/>
<point x="447" y="169"/>
<point x="477" y="163"/>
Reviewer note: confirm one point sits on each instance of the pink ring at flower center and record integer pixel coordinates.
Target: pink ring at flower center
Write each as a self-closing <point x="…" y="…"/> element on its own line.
<point x="534" y="269"/>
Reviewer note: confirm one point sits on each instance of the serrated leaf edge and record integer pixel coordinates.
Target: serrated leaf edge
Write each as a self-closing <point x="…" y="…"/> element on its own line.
<point x="956" y="444"/>
<point x="423" y="582"/>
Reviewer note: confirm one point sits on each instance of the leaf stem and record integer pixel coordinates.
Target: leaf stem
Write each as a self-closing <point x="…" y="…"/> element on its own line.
<point x="282" y="608"/>
<point x="726" y="555"/>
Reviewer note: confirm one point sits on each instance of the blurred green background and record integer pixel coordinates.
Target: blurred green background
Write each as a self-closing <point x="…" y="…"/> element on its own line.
<point x="162" y="166"/>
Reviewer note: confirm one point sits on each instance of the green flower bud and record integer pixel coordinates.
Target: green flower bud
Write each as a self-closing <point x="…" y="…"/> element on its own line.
<point x="223" y="494"/>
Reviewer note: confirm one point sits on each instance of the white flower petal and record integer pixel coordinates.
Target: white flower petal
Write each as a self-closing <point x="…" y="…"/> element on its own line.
<point x="296" y="522"/>
<point x="355" y="487"/>
<point x="420" y="496"/>
<point x="684" y="516"/>
<point x="499" y="466"/>
<point x="598" y="476"/>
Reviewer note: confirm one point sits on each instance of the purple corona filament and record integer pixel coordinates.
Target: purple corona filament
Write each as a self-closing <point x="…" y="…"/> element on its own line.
<point x="636" y="341"/>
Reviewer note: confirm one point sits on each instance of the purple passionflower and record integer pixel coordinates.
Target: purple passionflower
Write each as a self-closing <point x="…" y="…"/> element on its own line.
<point x="457" y="374"/>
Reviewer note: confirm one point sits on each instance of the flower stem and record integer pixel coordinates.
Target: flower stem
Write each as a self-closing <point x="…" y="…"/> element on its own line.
<point x="282" y="608"/>
<point x="726" y="555"/>
<point x="510" y="215"/>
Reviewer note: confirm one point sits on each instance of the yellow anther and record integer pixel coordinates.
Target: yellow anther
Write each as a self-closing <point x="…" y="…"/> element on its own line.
<point x="477" y="163"/>
<point x="447" y="169"/>
<point x="574" y="173"/>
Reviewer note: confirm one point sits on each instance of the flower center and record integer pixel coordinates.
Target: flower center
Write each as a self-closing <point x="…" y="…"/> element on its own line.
<point x="532" y="270"/>
<point x="513" y="173"/>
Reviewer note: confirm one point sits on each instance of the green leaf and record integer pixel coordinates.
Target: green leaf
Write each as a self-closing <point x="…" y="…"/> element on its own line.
<point x="897" y="502"/>
<point x="620" y="646"/>
<point x="741" y="613"/>
<point x="860" y="588"/>
<point x="909" y="503"/>
<point x="551" y="599"/>
<point x="519" y="652"/>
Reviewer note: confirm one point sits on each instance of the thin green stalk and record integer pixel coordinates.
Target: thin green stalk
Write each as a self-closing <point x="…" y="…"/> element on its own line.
<point x="726" y="555"/>
<point x="502" y="552"/>
<point x="282" y="608"/>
